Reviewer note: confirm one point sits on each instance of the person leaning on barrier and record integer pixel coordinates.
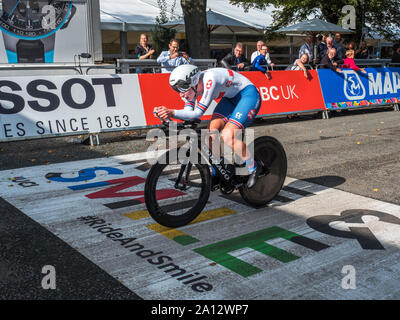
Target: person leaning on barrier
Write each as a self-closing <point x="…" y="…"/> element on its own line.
<point x="144" y="51"/>
<point x="299" y="64"/>
<point x="172" y="58"/>
<point x="236" y="60"/>
<point x="349" y="62"/>
<point x="328" y="61"/>
<point x="255" y="54"/>
<point x="262" y="60"/>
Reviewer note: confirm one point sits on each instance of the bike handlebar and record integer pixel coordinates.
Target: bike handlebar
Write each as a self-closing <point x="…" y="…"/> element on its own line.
<point x="180" y="126"/>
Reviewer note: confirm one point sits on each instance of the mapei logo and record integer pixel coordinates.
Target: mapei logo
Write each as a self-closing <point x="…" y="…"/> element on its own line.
<point x="353" y="87"/>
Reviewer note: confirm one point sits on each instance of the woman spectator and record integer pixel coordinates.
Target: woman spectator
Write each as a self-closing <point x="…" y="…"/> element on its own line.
<point x="299" y="64"/>
<point x="144" y="51"/>
<point x="349" y="62"/>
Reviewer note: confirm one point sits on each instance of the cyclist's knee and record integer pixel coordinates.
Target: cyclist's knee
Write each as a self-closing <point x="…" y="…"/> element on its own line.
<point x="216" y="124"/>
<point x="228" y="135"/>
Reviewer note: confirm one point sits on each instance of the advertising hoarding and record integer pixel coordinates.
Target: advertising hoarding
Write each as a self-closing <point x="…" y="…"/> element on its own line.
<point x="44" y="31"/>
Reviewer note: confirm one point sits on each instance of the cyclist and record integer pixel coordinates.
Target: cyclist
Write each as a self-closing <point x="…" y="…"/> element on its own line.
<point x="240" y="103"/>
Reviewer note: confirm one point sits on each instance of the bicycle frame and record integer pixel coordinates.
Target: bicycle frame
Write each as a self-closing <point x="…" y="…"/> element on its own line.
<point x="228" y="177"/>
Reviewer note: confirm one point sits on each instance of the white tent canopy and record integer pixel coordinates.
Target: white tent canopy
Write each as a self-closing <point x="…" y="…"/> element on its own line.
<point x="217" y="23"/>
<point x="140" y="15"/>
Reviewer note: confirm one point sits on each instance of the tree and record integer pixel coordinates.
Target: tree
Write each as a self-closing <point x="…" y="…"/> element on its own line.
<point x="381" y="16"/>
<point x="196" y="28"/>
<point x="161" y="36"/>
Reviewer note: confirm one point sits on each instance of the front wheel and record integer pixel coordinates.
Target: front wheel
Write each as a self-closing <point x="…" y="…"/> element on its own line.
<point x="174" y="202"/>
<point x="269" y="153"/>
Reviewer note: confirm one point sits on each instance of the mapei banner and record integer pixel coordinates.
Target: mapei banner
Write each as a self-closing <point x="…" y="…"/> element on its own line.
<point x="43" y="31"/>
<point x="57" y="105"/>
<point x="352" y="89"/>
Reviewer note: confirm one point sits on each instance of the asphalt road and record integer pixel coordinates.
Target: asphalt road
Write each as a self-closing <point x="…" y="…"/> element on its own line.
<point x="355" y="151"/>
<point x="363" y="147"/>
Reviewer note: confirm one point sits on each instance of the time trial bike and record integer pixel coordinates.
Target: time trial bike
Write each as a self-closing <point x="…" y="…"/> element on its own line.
<point x="185" y="172"/>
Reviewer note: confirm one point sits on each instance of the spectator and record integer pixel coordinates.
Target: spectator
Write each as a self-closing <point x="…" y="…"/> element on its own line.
<point x="349" y="62"/>
<point x="329" y="43"/>
<point x="396" y="54"/>
<point x="324" y="49"/>
<point x="340" y="50"/>
<point x="262" y="60"/>
<point x="307" y="48"/>
<point x="255" y="54"/>
<point x="351" y="46"/>
<point x="173" y="57"/>
<point x="362" y="53"/>
<point x="321" y="48"/>
<point x="236" y="60"/>
<point x="299" y="64"/>
<point x="328" y="61"/>
<point x="144" y="51"/>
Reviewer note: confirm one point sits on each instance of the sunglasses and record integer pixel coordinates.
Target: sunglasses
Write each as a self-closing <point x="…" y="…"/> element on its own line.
<point x="182" y="86"/>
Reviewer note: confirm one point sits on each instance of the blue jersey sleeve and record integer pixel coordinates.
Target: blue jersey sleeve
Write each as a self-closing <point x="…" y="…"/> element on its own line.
<point x="258" y="64"/>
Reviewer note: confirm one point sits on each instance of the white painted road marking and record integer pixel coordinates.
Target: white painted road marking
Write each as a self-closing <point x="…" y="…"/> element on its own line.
<point x="295" y="248"/>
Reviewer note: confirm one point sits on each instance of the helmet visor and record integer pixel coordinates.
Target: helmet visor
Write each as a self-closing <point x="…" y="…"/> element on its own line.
<point x="181" y="86"/>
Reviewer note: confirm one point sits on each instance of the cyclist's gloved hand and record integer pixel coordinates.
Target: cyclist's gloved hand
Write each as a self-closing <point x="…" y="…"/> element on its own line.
<point x="163" y="113"/>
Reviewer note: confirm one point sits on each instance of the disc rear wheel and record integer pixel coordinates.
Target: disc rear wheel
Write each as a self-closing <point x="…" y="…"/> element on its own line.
<point x="269" y="153"/>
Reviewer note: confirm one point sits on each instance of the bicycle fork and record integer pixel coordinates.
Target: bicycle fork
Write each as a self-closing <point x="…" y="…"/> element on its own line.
<point x="185" y="173"/>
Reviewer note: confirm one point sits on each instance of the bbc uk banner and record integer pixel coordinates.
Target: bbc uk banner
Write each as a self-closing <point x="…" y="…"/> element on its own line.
<point x="285" y="92"/>
<point x="58" y="105"/>
<point x="354" y="89"/>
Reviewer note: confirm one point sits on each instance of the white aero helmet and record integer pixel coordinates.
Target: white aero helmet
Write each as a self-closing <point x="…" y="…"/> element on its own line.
<point x="184" y="77"/>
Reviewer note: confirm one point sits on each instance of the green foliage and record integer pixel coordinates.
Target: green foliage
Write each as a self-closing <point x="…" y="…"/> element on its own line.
<point x="161" y="36"/>
<point x="381" y="16"/>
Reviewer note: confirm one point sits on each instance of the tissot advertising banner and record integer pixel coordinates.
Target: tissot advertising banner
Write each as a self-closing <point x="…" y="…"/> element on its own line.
<point x="352" y="89"/>
<point x="42" y="31"/>
<point x="40" y="106"/>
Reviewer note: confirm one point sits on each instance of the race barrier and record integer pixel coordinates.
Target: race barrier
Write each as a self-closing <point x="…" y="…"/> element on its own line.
<point x="351" y="89"/>
<point x="49" y="106"/>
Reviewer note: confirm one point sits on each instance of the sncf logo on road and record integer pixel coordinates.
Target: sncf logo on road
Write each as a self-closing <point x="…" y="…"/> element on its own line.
<point x="114" y="188"/>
